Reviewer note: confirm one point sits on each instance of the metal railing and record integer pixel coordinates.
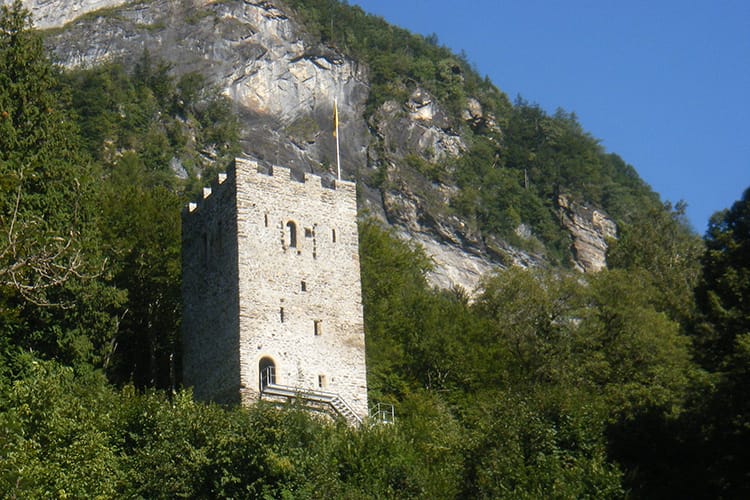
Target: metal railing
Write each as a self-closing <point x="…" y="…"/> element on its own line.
<point x="339" y="405"/>
<point x="383" y="413"/>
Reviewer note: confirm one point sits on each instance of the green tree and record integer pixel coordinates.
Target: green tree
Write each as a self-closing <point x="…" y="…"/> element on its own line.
<point x="548" y="443"/>
<point x="660" y="242"/>
<point x="57" y="429"/>
<point x="49" y="253"/>
<point x="530" y="330"/>
<point x="723" y="347"/>
<point x="42" y="183"/>
<point x="630" y="350"/>
<point x="393" y="285"/>
<point x="725" y="283"/>
<point x="141" y="236"/>
<point x="138" y="126"/>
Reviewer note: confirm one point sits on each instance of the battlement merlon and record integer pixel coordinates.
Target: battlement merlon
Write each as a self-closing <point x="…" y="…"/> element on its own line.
<point x="208" y="194"/>
<point x="313" y="182"/>
<point x="249" y="169"/>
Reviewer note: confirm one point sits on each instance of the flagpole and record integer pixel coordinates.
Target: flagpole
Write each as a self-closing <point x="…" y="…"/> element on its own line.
<point x="336" y="135"/>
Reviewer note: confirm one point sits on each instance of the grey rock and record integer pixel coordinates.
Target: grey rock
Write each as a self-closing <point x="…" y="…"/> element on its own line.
<point x="283" y="87"/>
<point x="590" y="229"/>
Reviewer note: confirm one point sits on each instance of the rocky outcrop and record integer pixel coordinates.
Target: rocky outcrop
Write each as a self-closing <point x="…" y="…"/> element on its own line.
<point x="590" y="229"/>
<point x="478" y="118"/>
<point x="417" y="126"/>
<point x="453" y="266"/>
<point x="283" y="87"/>
<point x="56" y="13"/>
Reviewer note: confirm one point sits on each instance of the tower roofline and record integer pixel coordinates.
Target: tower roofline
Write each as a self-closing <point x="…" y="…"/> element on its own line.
<point x="251" y="169"/>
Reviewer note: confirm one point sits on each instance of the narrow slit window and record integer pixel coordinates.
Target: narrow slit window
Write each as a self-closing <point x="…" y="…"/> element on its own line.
<point x="333" y="235"/>
<point x="292" y="229"/>
<point x="322" y="382"/>
<point x="281" y="314"/>
<point x="318" y="327"/>
<point x="303" y="286"/>
<point x="265" y="219"/>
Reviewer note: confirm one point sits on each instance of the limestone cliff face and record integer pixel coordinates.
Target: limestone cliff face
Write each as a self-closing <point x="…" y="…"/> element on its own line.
<point x="590" y="229"/>
<point x="56" y="13"/>
<point x="283" y="86"/>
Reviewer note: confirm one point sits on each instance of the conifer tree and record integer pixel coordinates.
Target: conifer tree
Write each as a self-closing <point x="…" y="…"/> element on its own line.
<point x="48" y="299"/>
<point x="40" y="189"/>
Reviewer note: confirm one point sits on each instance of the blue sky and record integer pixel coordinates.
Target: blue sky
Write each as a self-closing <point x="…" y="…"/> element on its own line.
<point x="663" y="83"/>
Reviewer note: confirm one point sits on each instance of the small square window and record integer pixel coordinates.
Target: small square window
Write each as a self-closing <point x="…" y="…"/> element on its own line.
<point x="308" y="232"/>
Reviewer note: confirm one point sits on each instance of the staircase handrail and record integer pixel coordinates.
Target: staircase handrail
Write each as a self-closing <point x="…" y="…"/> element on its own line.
<point x="313" y="395"/>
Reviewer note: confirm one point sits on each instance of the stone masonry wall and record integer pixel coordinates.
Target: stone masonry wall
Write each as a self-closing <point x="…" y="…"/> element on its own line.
<point x="261" y="295"/>
<point x="210" y="273"/>
<point x="287" y="287"/>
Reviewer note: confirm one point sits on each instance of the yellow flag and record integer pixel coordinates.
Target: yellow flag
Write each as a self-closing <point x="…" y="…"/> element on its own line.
<point x="335" y="119"/>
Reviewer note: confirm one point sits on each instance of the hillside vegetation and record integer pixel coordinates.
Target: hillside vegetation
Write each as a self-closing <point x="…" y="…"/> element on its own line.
<point x="628" y="382"/>
<point x="518" y="163"/>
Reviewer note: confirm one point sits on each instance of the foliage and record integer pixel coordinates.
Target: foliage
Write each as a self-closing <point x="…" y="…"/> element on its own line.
<point x="533" y="338"/>
<point x="723" y="348"/>
<point x="68" y="434"/>
<point x="142" y="240"/>
<point x="41" y="188"/>
<point x="56" y="434"/>
<point x="517" y="178"/>
<point x="536" y="427"/>
<point x="392" y="283"/>
<point x="660" y="242"/>
<point x="165" y="121"/>
<point x="548" y="444"/>
<point x="725" y="283"/>
<point x="144" y="128"/>
<point x="50" y="298"/>
<point x="397" y="59"/>
<point x="634" y="352"/>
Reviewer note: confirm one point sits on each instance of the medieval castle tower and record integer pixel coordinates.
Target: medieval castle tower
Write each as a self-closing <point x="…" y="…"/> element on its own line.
<point x="272" y="293"/>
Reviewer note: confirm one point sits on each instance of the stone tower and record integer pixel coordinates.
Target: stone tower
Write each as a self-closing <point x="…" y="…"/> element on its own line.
<point x="272" y="293"/>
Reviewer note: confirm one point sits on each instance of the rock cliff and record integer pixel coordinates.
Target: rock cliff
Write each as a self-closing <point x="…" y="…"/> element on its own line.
<point x="56" y="13"/>
<point x="283" y="86"/>
<point x="590" y="229"/>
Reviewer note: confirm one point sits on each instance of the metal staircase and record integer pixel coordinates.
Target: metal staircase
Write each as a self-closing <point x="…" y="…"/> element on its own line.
<point x="330" y="399"/>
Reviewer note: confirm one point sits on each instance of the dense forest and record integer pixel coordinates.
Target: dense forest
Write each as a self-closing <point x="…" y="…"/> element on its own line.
<point x="631" y="382"/>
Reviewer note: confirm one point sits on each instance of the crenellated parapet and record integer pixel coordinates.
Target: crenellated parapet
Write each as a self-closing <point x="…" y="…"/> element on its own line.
<point x="247" y="170"/>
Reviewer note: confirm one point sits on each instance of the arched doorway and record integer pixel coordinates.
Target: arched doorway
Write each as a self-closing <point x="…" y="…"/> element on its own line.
<point x="267" y="371"/>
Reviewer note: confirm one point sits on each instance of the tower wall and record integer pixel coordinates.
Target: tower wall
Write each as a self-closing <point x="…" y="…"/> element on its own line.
<point x="289" y="289"/>
<point x="325" y="257"/>
<point x="210" y="291"/>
